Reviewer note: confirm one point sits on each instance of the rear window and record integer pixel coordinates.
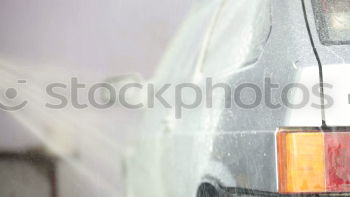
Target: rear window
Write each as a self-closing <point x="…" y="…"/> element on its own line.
<point x="333" y="21"/>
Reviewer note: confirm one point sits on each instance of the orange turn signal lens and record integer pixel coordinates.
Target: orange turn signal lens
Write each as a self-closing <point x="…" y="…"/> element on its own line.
<point x="301" y="162"/>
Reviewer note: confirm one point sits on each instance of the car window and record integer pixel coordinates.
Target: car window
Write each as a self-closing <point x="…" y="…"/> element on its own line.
<point x="333" y="21"/>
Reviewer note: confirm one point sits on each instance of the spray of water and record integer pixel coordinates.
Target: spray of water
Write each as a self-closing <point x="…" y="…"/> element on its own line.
<point x="69" y="134"/>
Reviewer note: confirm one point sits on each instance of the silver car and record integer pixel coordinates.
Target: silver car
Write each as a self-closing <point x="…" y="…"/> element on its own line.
<point x="278" y="72"/>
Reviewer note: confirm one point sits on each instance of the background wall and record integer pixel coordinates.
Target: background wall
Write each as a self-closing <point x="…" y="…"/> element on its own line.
<point x="114" y="36"/>
<point x="95" y="38"/>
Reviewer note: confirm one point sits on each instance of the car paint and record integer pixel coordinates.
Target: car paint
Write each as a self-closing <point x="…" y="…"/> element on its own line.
<point x="233" y="147"/>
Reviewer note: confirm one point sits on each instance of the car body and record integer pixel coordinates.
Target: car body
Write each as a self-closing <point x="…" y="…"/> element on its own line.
<point x="234" y="149"/>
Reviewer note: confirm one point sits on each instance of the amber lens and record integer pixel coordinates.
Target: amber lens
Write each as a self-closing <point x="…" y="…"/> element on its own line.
<point x="301" y="162"/>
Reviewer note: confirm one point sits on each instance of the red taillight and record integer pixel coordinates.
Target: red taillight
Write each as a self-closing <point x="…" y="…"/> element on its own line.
<point x="337" y="153"/>
<point x="311" y="161"/>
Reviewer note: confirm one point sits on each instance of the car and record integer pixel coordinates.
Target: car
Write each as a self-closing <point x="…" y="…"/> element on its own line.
<point x="284" y="133"/>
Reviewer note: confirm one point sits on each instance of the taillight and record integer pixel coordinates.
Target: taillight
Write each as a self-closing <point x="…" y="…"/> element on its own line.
<point x="301" y="162"/>
<point x="337" y="153"/>
<point x="311" y="161"/>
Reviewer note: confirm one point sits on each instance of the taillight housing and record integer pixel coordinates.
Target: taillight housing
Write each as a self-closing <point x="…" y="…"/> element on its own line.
<point x="313" y="160"/>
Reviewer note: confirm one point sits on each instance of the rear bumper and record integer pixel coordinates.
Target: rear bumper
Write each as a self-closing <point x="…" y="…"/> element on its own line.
<point x="228" y="192"/>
